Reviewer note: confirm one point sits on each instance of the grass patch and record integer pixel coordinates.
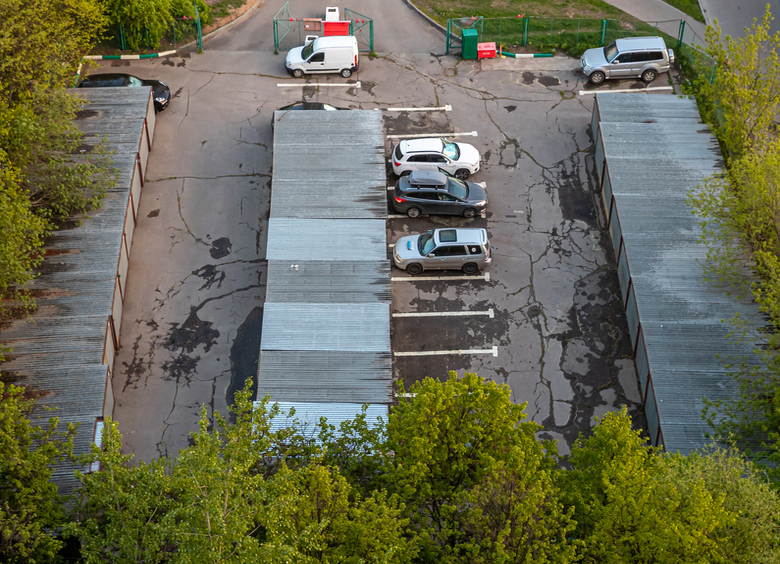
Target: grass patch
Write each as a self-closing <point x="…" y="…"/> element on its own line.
<point x="690" y="7"/>
<point x="442" y="10"/>
<point x="222" y="9"/>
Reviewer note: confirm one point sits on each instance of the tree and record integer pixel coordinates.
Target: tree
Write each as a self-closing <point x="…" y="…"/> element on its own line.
<point x="754" y="535"/>
<point x="743" y="94"/>
<point x="30" y="505"/>
<point x="628" y="510"/>
<point x="241" y="492"/>
<point x="476" y="482"/>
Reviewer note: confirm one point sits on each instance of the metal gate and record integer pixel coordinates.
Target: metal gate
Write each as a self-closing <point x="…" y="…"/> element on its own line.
<point x="362" y="28"/>
<point x="289" y="32"/>
<point x="455" y="29"/>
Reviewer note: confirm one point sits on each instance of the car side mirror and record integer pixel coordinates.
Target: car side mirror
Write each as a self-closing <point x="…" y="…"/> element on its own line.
<point x="431" y="255"/>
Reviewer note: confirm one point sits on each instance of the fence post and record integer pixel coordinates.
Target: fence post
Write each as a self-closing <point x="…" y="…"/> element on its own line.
<point x="276" y="37"/>
<point x="371" y="34"/>
<point x="603" y="30"/>
<point x="173" y="27"/>
<point x="197" y="21"/>
<point x="146" y="31"/>
<point x="499" y="30"/>
<point x="577" y="41"/>
<point x="680" y="35"/>
<point x="525" y="31"/>
<point x="449" y="30"/>
<point x="122" y="44"/>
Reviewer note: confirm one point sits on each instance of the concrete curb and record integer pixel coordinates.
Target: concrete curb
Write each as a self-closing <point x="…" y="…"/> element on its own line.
<point x="429" y="19"/>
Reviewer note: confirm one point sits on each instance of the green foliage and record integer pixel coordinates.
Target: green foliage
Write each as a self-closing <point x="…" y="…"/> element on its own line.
<point x="185" y="8"/>
<point x="145" y="22"/>
<point x="30" y="506"/>
<point x="476" y="482"/>
<point x="628" y="508"/>
<point x="42" y="43"/>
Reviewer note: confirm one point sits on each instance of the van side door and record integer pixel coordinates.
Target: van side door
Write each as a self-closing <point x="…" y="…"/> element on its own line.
<point x="316" y="62"/>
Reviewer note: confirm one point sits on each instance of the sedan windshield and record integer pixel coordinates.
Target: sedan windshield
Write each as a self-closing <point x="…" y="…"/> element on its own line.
<point x="457" y="188"/>
<point x="307" y="51"/>
<point x="425" y="244"/>
<point x="610" y="52"/>
<point x="450" y="149"/>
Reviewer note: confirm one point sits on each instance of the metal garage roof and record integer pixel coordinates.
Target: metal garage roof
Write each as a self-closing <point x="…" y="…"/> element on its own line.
<point x="326" y="376"/>
<point x="329" y="164"/>
<point x="307" y="415"/>
<point x="647" y="170"/>
<point x="328" y="281"/>
<point x="59" y="350"/>
<point x="326" y="321"/>
<point x="326" y="239"/>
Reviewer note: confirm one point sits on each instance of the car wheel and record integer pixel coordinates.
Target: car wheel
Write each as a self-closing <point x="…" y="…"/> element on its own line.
<point x="346" y="73"/>
<point x="469" y="268"/>
<point x="405" y="173"/>
<point x="414" y="268"/>
<point x="649" y="75"/>
<point x="298" y="73"/>
<point x="468" y="213"/>
<point x="461" y="174"/>
<point x="597" y="77"/>
<point x="413" y="212"/>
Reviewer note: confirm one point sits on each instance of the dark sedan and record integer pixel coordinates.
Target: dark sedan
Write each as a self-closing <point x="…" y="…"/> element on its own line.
<point x="434" y="192"/>
<point x="306" y="106"/>
<point x="160" y="91"/>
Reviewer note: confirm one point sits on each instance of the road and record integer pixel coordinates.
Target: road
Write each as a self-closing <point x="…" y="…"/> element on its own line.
<point x="735" y="15"/>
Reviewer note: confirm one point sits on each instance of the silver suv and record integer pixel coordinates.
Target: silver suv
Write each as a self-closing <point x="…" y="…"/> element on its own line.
<point x="465" y="249"/>
<point x="632" y="57"/>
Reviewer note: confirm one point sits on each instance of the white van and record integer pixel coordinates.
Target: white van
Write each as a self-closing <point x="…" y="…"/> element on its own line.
<point x="323" y="55"/>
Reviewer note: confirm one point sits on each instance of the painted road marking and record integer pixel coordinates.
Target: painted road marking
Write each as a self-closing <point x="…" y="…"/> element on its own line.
<point x="485" y="277"/>
<point x="493" y="351"/>
<point x="390" y="188"/>
<point x="446" y="108"/>
<point x="395" y="216"/>
<point x="318" y="84"/>
<point x="629" y="90"/>
<point x="488" y="312"/>
<point x="421" y="135"/>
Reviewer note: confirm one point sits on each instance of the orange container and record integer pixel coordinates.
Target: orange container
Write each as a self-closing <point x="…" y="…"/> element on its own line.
<point x="486" y="50"/>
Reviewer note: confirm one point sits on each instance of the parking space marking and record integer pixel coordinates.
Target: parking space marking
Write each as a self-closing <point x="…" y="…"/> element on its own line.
<point x="396" y="216"/>
<point x="446" y="108"/>
<point x="485" y="277"/>
<point x="493" y="351"/>
<point x="421" y="135"/>
<point x="318" y="85"/>
<point x="488" y="312"/>
<point x="627" y="91"/>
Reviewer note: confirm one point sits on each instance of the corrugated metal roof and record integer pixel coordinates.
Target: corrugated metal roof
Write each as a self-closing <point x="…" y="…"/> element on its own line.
<point x="326" y="376"/>
<point x="326" y="327"/>
<point x="59" y="350"/>
<point x="326" y="239"/>
<point x="326" y="319"/>
<point x="328" y="281"/>
<point x="307" y="415"/>
<point x="652" y="167"/>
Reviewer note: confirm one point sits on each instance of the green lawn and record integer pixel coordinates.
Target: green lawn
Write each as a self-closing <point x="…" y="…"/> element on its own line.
<point x="690" y="7"/>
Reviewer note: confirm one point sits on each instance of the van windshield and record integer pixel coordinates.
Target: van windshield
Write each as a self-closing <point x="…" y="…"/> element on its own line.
<point x="610" y="52"/>
<point x="307" y="50"/>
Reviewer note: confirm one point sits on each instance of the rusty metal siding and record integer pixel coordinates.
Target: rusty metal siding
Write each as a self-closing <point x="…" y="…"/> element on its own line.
<point x="60" y="351"/>
<point x="657" y="150"/>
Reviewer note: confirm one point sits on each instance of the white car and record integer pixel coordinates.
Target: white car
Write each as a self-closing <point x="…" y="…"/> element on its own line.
<point x="458" y="159"/>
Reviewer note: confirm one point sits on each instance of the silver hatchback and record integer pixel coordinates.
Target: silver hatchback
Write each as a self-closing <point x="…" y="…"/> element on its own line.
<point x="465" y="249"/>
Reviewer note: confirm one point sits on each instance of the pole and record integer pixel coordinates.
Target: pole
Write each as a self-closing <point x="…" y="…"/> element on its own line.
<point x="197" y="21"/>
<point x="680" y="35"/>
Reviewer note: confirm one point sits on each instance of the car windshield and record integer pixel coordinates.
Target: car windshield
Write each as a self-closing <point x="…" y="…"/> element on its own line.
<point x="307" y="51"/>
<point x="425" y="243"/>
<point x="610" y="52"/>
<point x="450" y="150"/>
<point x="457" y="188"/>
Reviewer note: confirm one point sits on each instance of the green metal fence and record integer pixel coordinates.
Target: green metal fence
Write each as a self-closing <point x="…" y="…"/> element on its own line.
<point x="289" y="31"/>
<point x="362" y="28"/>
<point x="557" y="33"/>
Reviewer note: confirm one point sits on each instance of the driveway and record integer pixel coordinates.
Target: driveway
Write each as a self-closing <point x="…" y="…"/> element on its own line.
<point x="193" y="313"/>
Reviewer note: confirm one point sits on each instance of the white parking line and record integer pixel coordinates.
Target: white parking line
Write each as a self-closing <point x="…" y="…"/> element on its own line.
<point x="318" y="84"/>
<point x="626" y="91"/>
<point x="446" y="108"/>
<point x="396" y="216"/>
<point x="390" y="188"/>
<point x="419" y="135"/>
<point x="488" y="312"/>
<point x="493" y="351"/>
<point x="485" y="277"/>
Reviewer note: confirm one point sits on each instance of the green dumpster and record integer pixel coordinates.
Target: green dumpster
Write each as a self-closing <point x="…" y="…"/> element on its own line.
<point x="470" y="40"/>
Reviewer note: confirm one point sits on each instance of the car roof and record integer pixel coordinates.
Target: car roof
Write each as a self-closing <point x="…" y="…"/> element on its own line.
<point x="428" y="177"/>
<point x="634" y="43"/>
<point x="467" y="235"/>
<point x="425" y="145"/>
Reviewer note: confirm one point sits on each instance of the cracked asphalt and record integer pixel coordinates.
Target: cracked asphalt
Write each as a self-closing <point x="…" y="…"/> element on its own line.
<point x="196" y="282"/>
